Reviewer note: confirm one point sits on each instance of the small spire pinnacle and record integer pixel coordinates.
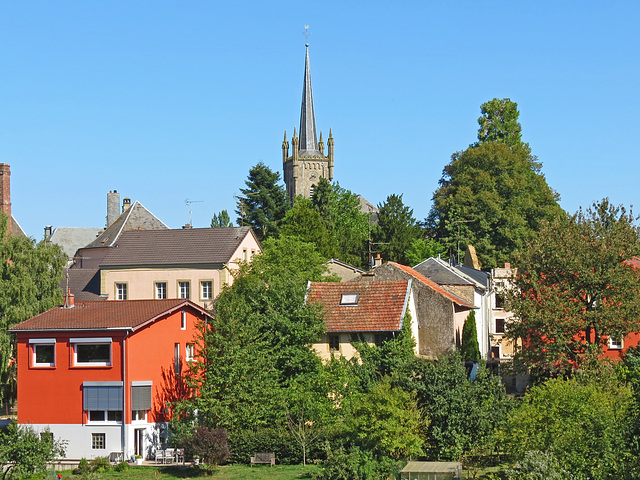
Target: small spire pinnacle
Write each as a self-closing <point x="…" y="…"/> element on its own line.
<point x="285" y="135"/>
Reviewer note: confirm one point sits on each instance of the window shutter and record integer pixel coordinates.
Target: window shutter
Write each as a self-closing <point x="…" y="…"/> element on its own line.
<point x="102" y="397"/>
<point x="141" y="397"/>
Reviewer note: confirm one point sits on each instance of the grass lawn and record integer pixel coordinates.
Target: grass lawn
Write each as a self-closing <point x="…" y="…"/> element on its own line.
<point x="227" y="472"/>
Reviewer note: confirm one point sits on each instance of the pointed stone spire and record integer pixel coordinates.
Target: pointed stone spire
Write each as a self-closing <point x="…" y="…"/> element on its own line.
<point x="308" y="139"/>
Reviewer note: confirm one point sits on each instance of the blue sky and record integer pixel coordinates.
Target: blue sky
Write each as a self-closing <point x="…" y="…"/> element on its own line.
<point x="166" y="101"/>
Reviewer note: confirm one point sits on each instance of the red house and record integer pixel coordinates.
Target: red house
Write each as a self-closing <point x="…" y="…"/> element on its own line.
<point x="101" y="375"/>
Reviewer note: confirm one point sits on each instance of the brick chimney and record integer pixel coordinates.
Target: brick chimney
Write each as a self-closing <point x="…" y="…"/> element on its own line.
<point x="69" y="300"/>
<point x="5" y="192"/>
<point x="113" y="207"/>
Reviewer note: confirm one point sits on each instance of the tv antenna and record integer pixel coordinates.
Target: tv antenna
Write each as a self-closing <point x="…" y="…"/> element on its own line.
<point x="189" y="202"/>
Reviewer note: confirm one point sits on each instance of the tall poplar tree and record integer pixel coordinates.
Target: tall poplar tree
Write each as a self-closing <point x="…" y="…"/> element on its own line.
<point x="493" y="195"/>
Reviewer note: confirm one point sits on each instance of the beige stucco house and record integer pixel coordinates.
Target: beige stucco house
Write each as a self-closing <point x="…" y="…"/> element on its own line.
<point x="361" y="311"/>
<point x="180" y="263"/>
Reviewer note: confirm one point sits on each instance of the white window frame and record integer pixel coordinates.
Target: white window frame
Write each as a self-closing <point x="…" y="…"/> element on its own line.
<point x="189" y="352"/>
<point x="94" y="341"/>
<point x="183" y="320"/>
<point x="182" y="283"/>
<point x="105" y="418"/>
<point x="616" y="343"/>
<point x="203" y="295"/>
<point x="349" y="299"/>
<point x="34" y="342"/>
<point x="135" y="416"/>
<point x="156" y="290"/>
<point x="121" y="290"/>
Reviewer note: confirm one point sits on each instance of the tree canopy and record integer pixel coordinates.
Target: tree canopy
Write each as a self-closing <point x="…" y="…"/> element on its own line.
<point x="30" y="275"/>
<point x="499" y="123"/>
<point x="575" y="289"/>
<point x="494" y="198"/>
<point x="397" y="229"/>
<point x="221" y="219"/>
<point x="264" y="202"/>
<point x="492" y="195"/>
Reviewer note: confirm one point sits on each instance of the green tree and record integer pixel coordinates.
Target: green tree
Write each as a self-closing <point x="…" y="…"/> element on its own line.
<point x="386" y="421"/>
<point x="423" y="248"/>
<point x="462" y="415"/>
<point x="30" y="275"/>
<point x="575" y="289"/>
<point x="221" y="219"/>
<point x="584" y="424"/>
<point x="470" y="349"/>
<point x="350" y="227"/>
<point x="260" y="341"/>
<point x="264" y="202"/>
<point x="396" y="229"/>
<point x="493" y="197"/>
<point x="25" y="452"/>
<point x="305" y="222"/>
<point x="499" y="123"/>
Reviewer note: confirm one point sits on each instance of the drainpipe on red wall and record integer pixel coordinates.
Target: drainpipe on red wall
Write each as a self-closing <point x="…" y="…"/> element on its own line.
<point x="124" y="396"/>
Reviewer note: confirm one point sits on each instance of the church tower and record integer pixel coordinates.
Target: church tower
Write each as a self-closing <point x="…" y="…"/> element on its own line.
<point x="307" y="163"/>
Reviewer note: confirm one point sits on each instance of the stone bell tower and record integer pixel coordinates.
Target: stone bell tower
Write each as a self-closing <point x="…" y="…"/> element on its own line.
<point x="308" y="162"/>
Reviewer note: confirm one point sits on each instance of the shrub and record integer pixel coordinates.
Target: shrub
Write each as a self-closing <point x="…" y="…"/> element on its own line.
<point x="83" y="467"/>
<point x="121" y="467"/>
<point x="355" y="464"/>
<point x="100" y="464"/>
<point x="208" y="444"/>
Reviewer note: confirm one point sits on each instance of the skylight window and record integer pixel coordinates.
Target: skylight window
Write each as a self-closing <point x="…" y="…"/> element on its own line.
<point x="349" y="299"/>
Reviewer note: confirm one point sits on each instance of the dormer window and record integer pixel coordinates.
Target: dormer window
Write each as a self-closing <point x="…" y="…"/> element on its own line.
<point x="349" y="299"/>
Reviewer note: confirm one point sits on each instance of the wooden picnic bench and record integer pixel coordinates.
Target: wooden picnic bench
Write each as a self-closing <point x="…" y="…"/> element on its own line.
<point x="264" y="457"/>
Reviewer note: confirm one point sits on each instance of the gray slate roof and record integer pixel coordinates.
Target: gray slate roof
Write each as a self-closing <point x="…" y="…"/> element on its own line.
<point x="175" y="246"/>
<point x="440" y="273"/>
<point x="73" y="238"/>
<point x="136" y="217"/>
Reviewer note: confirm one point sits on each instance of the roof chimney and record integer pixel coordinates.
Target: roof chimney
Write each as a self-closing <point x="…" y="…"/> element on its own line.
<point x="186" y="226"/>
<point x="5" y="192"/>
<point x="69" y="300"/>
<point x="113" y="207"/>
<point x="507" y="265"/>
<point x="126" y="203"/>
<point x="47" y="233"/>
<point x="377" y="261"/>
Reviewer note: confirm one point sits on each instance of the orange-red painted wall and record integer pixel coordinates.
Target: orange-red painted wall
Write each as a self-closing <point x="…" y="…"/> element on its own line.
<point x="53" y="395"/>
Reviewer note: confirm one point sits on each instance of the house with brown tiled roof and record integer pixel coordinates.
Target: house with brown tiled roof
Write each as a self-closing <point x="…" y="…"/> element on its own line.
<point x="440" y="313"/>
<point x="102" y="375"/>
<point x="361" y="311"/>
<point x="193" y="263"/>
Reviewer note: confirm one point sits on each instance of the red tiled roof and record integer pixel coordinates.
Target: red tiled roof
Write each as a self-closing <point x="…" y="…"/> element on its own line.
<point x="633" y="261"/>
<point x="420" y="277"/>
<point x="175" y="246"/>
<point x="103" y="315"/>
<point x="380" y="307"/>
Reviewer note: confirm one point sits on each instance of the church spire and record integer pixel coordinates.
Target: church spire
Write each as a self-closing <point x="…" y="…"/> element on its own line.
<point x="308" y="138"/>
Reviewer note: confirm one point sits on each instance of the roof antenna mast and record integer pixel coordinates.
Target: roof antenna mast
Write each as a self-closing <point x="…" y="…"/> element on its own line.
<point x="189" y="202"/>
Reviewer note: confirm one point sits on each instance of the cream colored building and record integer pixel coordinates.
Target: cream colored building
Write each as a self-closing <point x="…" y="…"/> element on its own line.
<point x="185" y="263"/>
